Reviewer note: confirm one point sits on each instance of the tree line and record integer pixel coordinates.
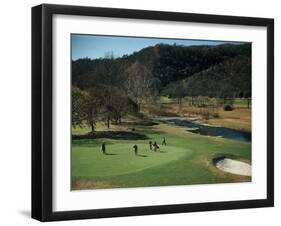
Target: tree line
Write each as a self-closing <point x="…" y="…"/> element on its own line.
<point x="114" y="95"/>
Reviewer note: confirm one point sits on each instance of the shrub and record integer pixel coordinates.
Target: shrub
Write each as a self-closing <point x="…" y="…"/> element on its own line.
<point x="206" y="114"/>
<point x="216" y="115"/>
<point x="228" y="107"/>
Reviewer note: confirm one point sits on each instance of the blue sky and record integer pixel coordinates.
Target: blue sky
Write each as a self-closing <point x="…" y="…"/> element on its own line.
<point x="96" y="46"/>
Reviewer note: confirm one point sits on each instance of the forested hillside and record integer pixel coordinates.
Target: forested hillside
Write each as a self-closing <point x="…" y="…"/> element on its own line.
<point x="228" y="79"/>
<point x="228" y="66"/>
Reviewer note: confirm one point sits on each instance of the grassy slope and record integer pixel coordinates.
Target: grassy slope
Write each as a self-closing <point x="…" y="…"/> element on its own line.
<point x="186" y="160"/>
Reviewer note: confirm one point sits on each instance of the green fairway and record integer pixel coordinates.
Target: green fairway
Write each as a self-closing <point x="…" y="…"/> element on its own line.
<point x="187" y="159"/>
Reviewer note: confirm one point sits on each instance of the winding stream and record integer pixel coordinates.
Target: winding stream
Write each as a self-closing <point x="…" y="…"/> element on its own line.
<point x="206" y="130"/>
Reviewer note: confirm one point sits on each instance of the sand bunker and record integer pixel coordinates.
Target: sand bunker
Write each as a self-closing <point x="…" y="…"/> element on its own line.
<point x="234" y="166"/>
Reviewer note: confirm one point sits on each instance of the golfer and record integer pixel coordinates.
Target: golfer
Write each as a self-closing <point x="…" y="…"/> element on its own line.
<point x="103" y="148"/>
<point x="150" y="145"/>
<point x="135" y="147"/>
<point x="164" y="141"/>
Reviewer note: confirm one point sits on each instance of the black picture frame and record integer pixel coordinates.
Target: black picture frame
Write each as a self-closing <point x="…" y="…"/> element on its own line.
<point x="42" y="111"/>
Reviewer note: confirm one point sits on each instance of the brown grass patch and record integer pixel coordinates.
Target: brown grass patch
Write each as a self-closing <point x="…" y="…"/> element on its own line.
<point x="89" y="184"/>
<point x="239" y="119"/>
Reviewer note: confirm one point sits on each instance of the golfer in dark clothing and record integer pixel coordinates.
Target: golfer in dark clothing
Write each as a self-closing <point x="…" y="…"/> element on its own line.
<point x="135" y="147"/>
<point x="150" y="145"/>
<point x="155" y="146"/>
<point x="164" y="141"/>
<point x="103" y="148"/>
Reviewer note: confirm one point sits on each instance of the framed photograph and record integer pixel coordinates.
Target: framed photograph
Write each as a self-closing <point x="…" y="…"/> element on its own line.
<point x="145" y="112"/>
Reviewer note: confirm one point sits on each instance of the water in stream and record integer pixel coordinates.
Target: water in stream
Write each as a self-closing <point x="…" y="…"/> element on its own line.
<point x="208" y="130"/>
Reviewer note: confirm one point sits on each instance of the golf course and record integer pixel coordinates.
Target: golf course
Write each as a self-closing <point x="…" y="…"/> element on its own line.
<point x="166" y="113"/>
<point x="187" y="157"/>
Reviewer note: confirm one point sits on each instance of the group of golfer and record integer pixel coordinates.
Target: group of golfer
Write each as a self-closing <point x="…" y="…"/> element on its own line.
<point x="153" y="146"/>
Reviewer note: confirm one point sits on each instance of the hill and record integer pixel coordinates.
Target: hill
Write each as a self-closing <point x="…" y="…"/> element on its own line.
<point x="205" y="70"/>
<point x="231" y="78"/>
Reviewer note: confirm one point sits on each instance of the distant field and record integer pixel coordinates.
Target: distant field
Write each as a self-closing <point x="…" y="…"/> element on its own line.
<point x="237" y="102"/>
<point x="239" y="118"/>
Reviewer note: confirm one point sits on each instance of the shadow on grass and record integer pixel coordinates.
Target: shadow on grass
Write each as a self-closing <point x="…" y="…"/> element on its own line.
<point x="111" y="154"/>
<point x="142" y="155"/>
<point x="141" y="123"/>
<point x="150" y="131"/>
<point x="117" y="135"/>
<point x="163" y="151"/>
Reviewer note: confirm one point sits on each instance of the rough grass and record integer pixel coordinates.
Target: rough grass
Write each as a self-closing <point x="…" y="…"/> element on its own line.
<point x="239" y="118"/>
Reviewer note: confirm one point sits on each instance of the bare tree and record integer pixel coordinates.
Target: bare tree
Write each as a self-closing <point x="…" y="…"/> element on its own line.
<point x="79" y="106"/>
<point x="140" y="84"/>
<point x="85" y="105"/>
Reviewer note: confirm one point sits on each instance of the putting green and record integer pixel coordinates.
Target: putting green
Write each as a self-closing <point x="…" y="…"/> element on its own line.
<point x="120" y="159"/>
